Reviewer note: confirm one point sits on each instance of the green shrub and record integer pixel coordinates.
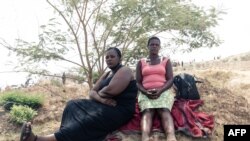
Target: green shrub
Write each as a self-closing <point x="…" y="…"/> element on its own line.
<point x="20" y="98"/>
<point x="19" y="114"/>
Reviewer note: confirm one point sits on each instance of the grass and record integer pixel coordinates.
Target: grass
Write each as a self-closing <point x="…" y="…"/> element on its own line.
<point x="22" y="98"/>
<point x="20" y="114"/>
<point x="244" y="86"/>
<point x="227" y="103"/>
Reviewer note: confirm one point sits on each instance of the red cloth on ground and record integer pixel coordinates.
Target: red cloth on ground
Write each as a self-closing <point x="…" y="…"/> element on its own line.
<point x="186" y="119"/>
<point x="190" y="121"/>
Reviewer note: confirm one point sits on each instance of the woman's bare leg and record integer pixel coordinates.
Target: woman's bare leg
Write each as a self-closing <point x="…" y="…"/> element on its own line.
<point x="167" y="124"/>
<point x="146" y="123"/>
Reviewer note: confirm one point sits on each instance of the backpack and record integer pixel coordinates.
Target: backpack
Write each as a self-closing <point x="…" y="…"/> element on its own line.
<point x="186" y="86"/>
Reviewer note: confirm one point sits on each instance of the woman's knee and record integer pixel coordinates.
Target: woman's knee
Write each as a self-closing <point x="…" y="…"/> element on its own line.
<point x="70" y="103"/>
<point x="163" y="111"/>
<point x="148" y="111"/>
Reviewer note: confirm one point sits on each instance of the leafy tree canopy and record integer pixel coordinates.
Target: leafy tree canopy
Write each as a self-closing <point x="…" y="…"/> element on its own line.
<point x="87" y="28"/>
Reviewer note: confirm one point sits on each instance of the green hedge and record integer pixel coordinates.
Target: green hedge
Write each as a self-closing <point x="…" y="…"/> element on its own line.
<point x="21" y="98"/>
<point x="20" y="114"/>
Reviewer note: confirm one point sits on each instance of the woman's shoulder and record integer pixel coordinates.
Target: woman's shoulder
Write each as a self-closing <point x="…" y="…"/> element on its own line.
<point x="143" y="61"/>
<point x="126" y="69"/>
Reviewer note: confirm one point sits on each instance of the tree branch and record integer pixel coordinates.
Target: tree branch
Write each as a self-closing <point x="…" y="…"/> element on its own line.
<point x="72" y="30"/>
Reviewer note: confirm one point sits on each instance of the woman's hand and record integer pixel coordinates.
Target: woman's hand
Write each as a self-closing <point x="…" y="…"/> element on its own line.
<point x="99" y="97"/>
<point x="108" y="101"/>
<point x="153" y="93"/>
<point x="105" y="99"/>
<point x="93" y="95"/>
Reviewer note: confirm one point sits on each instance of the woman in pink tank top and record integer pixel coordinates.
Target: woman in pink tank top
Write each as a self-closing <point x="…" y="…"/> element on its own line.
<point x="154" y="77"/>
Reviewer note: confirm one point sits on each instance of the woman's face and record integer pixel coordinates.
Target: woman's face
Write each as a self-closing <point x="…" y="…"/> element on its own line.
<point x="154" y="46"/>
<point x="112" y="58"/>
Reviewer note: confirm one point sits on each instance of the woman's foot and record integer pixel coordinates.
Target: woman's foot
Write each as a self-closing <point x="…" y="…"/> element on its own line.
<point x="171" y="137"/>
<point x="155" y="138"/>
<point x="26" y="133"/>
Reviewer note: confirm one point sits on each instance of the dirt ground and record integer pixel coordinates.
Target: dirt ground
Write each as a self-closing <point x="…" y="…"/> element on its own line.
<point x="225" y="92"/>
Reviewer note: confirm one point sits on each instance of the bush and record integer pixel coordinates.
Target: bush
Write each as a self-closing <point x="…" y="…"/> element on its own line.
<point x="20" y="98"/>
<point x="20" y="114"/>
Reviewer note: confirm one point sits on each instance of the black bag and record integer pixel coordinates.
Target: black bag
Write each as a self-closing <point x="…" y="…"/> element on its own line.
<point x="186" y="86"/>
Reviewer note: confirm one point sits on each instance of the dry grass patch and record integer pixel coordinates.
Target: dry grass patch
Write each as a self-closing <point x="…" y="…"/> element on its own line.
<point x="244" y="86"/>
<point x="224" y="92"/>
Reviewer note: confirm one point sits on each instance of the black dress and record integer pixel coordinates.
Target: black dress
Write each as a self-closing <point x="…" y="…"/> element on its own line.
<point x="89" y="120"/>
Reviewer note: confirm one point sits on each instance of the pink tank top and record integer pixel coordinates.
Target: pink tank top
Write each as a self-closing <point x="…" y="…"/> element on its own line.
<point x="153" y="76"/>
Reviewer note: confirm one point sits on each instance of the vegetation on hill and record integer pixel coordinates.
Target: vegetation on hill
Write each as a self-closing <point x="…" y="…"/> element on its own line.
<point x="224" y="91"/>
<point x="85" y="29"/>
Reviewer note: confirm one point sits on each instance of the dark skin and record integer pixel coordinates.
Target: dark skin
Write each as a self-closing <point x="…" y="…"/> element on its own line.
<point x="115" y="87"/>
<point x="164" y="113"/>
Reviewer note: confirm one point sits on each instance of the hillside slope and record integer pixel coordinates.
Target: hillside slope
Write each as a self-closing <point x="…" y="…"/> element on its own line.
<point x="225" y="92"/>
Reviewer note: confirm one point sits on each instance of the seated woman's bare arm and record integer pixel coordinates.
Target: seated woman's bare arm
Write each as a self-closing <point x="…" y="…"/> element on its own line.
<point x="108" y="101"/>
<point x="139" y="79"/>
<point x="93" y="92"/>
<point x="95" y="96"/>
<point x="118" y="83"/>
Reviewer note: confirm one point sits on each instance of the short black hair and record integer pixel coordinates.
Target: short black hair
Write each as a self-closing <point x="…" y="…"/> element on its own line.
<point x="153" y="37"/>
<point x="116" y="50"/>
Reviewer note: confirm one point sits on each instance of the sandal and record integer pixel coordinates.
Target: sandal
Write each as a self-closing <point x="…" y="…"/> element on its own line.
<point x="26" y="132"/>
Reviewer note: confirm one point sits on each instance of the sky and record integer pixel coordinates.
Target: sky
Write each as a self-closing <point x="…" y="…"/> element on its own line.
<point x="233" y="30"/>
<point x="21" y="19"/>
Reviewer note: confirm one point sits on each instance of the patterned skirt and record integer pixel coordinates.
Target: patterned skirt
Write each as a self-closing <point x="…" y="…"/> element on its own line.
<point x="166" y="100"/>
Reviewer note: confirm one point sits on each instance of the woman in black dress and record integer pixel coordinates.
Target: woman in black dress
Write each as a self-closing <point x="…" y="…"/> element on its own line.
<point x="111" y="104"/>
